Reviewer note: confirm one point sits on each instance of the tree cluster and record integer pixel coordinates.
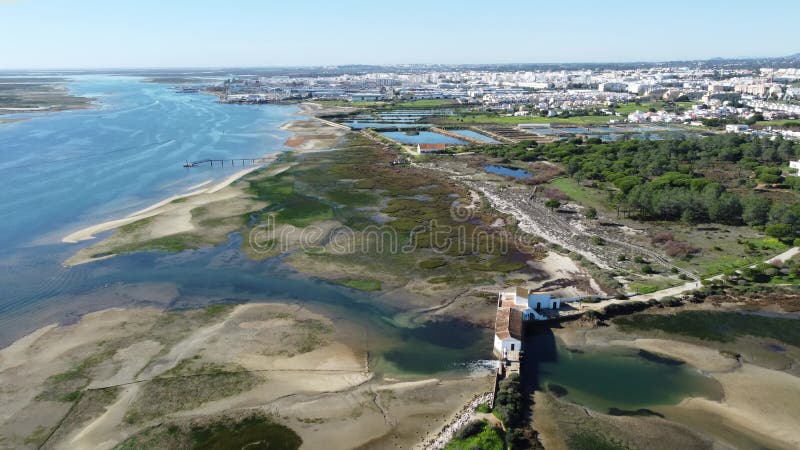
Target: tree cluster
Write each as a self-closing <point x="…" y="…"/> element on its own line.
<point x="666" y="179"/>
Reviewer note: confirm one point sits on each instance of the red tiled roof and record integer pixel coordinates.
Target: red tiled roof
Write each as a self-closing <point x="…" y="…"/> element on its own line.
<point x="501" y="323"/>
<point x="508" y="323"/>
<point x="432" y="146"/>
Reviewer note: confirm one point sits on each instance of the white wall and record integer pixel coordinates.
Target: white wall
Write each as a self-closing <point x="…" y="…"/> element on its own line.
<point x="544" y="300"/>
<point x="505" y="344"/>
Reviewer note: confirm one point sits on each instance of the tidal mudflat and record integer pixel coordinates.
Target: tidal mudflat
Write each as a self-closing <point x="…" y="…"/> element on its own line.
<point x="732" y="385"/>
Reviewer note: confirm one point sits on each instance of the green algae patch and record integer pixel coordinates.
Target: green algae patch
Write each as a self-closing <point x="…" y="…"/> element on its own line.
<point x="360" y="284"/>
<point x="256" y="431"/>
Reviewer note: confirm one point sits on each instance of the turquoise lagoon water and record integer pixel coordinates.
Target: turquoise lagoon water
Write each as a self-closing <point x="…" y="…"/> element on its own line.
<point x="424" y="137"/>
<point x="60" y="171"/>
<point x="604" y="378"/>
<point x="474" y="135"/>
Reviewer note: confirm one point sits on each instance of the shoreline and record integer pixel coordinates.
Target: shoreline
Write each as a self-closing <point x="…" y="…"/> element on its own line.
<point x="309" y="136"/>
<point x="89" y="232"/>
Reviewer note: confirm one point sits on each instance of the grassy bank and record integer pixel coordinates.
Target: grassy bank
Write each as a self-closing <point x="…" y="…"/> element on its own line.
<point x="488" y="437"/>
<point x="715" y="326"/>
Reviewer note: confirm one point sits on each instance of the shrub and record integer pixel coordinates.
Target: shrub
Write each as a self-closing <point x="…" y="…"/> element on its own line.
<point x="591" y="315"/>
<point x="483" y="408"/>
<point x="509" y="402"/>
<point x="471" y="428"/>
<point x="590" y="213"/>
<point x="678" y="248"/>
<point x="670" y="302"/>
<point x="779" y="230"/>
<point x="616" y="309"/>
<point x="662" y="237"/>
<point x="515" y="438"/>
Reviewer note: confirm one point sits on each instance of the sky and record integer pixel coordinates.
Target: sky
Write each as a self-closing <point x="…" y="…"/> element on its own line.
<point x="37" y="34"/>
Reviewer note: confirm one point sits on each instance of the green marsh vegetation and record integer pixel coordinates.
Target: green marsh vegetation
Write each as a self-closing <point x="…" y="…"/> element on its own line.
<point x="47" y="93"/>
<point x="360" y="284"/>
<point x="715" y="326"/>
<point x="68" y="386"/>
<point x="213" y="230"/>
<point x="397" y="218"/>
<point x="256" y="431"/>
<point x="89" y="405"/>
<point x="186" y="387"/>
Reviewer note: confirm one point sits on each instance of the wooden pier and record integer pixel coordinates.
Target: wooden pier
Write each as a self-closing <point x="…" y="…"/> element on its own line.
<point x="231" y="162"/>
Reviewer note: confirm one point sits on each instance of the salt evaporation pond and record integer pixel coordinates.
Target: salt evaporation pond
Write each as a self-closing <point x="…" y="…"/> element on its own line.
<point x="474" y="135"/>
<point x="424" y="137"/>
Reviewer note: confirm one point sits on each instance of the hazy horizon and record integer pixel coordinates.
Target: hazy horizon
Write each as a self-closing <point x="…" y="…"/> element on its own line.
<point x="187" y="35"/>
<point x="399" y="64"/>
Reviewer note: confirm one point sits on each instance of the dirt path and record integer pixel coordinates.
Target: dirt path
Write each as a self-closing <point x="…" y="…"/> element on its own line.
<point x="537" y="219"/>
<point x="678" y="290"/>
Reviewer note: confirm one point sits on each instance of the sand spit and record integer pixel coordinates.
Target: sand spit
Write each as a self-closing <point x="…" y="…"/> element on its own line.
<point x="313" y="135"/>
<point x="164" y="206"/>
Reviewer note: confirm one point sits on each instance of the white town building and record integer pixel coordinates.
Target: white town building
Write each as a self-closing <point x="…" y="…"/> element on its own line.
<point x="736" y="128"/>
<point x="795" y="165"/>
